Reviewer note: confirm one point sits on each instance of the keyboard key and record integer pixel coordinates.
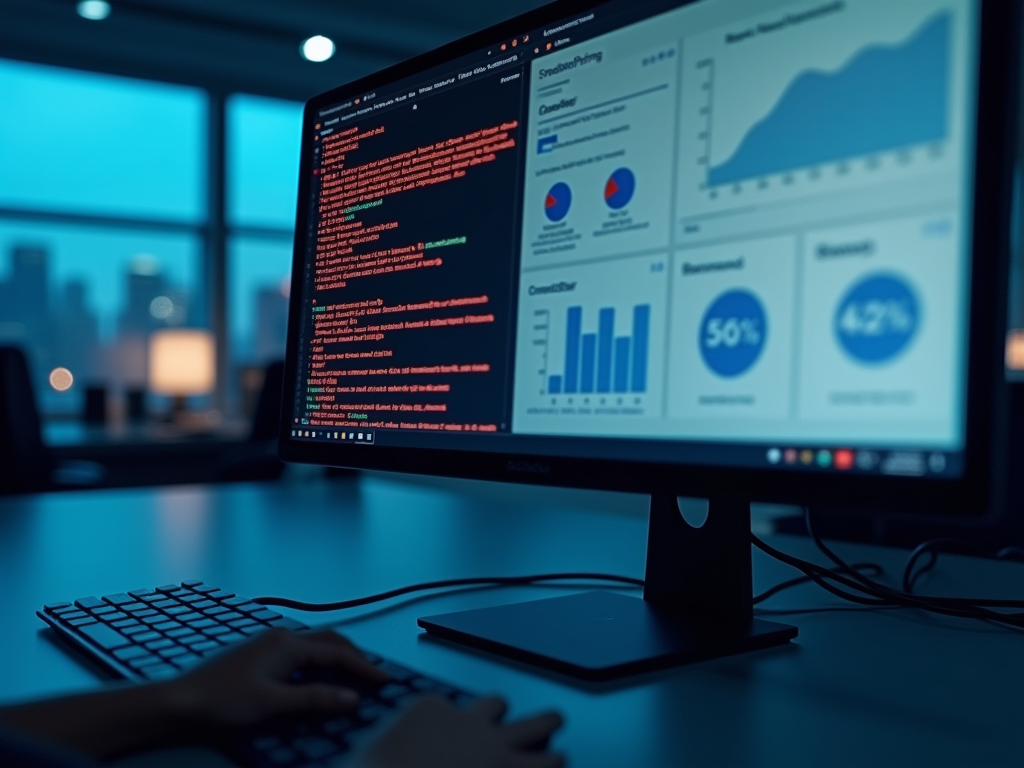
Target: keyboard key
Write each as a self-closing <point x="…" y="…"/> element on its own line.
<point x="106" y="638"/>
<point x="396" y="672"/>
<point x="177" y="610"/>
<point x="192" y="598"/>
<point x="110" y="618"/>
<point x="220" y="594"/>
<point x="146" y="637"/>
<point x="179" y="593"/>
<point x="214" y="631"/>
<point x="144" y="661"/>
<point x="202" y="623"/>
<point x="191" y="639"/>
<point x="159" y="671"/>
<point x="103" y="611"/>
<point x="314" y="747"/>
<point x="209" y="645"/>
<point x="156" y="618"/>
<point x="187" y="617"/>
<point x="163" y="605"/>
<point x="392" y="691"/>
<point x="240" y="623"/>
<point x="132" y="631"/>
<point x="139" y="594"/>
<point x="156" y="645"/>
<point x="168" y="625"/>
<point x="119" y="598"/>
<point x="203" y="604"/>
<point x="55" y="607"/>
<point x="82" y="622"/>
<point x="124" y="623"/>
<point x="131" y="652"/>
<point x="339" y="726"/>
<point x="255" y="629"/>
<point x="282" y="756"/>
<point x="187" y="661"/>
<point x="233" y="601"/>
<point x="266" y="615"/>
<point x="249" y="607"/>
<point x="180" y="632"/>
<point x="85" y="603"/>
<point x="129" y="607"/>
<point x="205" y="589"/>
<point x="156" y="597"/>
<point x="192" y="583"/>
<point x="215" y="611"/>
<point x="144" y="613"/>
<point x="170" y="653"/>
<point x="231" y="637"/>
<point x="285" y="623"/>
<point x="225" y="618"/>
<point x="71" y="615"/>
<point x="168" y="588"/>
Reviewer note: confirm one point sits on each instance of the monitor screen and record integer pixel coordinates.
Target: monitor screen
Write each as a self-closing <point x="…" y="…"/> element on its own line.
<point x="730" y="233"/>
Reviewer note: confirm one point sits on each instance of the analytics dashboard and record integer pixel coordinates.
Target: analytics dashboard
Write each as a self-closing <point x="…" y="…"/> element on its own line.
<point x="732" y="232"/>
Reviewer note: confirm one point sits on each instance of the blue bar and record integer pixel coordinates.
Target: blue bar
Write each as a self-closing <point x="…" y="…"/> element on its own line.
<point x="622" y="364"/>
<point x="641" y="328"/>
<point x="587" y="374"/>
<point x="605" y="329"/>
<point x="572" y="349"/>
<point x="554" y="385"/>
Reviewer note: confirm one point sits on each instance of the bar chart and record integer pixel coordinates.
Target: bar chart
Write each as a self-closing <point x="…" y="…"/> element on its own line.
<point x="599" y="361"/>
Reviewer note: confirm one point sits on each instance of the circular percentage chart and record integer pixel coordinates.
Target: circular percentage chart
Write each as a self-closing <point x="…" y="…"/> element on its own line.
<point x="557" y="202"/>
<point x="619" y="188"/>
<point x="732" y="333"/>
<point x="877" y="318"/>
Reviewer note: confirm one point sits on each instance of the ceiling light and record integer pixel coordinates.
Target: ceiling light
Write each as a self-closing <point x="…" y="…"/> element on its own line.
<point x="94" y="10"/>
<point x="317" y="48"/>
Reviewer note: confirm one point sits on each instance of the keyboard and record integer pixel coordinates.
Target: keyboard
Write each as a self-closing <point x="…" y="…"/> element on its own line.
<point x="155" y="634"/>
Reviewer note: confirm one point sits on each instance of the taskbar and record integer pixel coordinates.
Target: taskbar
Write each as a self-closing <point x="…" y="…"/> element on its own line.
<point x="841" y="459"/>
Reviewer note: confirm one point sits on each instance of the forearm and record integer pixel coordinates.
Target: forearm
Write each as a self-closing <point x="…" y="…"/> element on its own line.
<point x="107" y="722"/>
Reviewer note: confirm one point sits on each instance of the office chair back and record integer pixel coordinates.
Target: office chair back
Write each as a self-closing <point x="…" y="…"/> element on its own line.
<point x="25" y="461"/>
<point x="266" y="418"/>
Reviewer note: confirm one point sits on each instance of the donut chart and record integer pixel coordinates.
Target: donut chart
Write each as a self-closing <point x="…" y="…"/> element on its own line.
<point x="877" y="318"/>
<point x="557" y="202"/>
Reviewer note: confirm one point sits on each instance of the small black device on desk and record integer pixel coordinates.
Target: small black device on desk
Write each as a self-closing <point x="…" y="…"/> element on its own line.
<point x="153" y="634"/>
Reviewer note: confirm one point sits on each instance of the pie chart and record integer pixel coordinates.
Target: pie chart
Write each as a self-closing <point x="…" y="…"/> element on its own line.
<point x="556" y="204"/>
<point x="619" y="188"/>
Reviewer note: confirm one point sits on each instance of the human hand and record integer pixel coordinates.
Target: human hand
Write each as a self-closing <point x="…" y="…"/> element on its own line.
<point x="433" y="733"/>
<point x="250" y="683"/>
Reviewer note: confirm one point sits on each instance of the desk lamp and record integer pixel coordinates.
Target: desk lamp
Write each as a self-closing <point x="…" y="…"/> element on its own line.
<point x="182" y="363"/>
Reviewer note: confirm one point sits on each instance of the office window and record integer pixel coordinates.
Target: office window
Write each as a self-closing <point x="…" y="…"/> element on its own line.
<point x="86" y="143"/>
<point x="263" y="161"/>
<point x="102" y="204"/>
<point x="263" y="137"/>
<point x="86" y="298"/>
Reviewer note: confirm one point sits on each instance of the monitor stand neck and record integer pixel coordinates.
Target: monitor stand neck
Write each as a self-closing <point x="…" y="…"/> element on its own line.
<point x="700" y="572"/>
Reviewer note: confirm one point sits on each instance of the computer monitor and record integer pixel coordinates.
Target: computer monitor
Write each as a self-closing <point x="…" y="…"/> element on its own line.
<point x="732" y="249"/>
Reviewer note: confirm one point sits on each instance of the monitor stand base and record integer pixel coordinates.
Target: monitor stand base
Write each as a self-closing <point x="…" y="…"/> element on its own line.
<point x="697" y="605"/>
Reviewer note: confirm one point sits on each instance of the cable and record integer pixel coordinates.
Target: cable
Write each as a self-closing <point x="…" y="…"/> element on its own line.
<point x="935" y="547"/>
<point x="879" y="594"/>
<point x="844" y="580"/>
<point x="497" y="581"/>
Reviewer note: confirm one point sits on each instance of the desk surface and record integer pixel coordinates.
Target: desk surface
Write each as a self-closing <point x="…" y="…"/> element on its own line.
<point x="857" y="687"/>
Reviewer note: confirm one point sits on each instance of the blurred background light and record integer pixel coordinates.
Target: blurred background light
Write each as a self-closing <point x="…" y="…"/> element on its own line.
<point x="61" y="379"/>
<point x="317" y="48"/>
<point x="94" y="10"/>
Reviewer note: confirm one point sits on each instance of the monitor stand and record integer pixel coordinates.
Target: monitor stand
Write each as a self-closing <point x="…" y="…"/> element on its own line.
<point x="697" y="605"/>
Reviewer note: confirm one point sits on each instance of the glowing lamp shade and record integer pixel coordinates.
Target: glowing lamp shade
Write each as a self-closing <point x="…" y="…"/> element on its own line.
<point x="182" y="363"/>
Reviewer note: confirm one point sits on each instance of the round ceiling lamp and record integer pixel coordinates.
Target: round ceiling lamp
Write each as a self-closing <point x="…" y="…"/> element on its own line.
<point x="317" y="48"/>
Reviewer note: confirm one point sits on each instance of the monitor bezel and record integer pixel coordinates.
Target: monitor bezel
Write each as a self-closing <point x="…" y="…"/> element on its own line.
<point x="969" y="494"/>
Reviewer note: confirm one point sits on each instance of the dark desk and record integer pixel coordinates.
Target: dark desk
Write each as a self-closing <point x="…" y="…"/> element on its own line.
<point x="857" y="688"/>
